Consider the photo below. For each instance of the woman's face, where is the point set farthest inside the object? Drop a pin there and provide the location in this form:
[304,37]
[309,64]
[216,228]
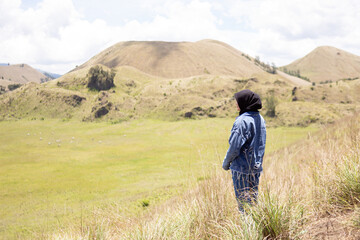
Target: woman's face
[237,105]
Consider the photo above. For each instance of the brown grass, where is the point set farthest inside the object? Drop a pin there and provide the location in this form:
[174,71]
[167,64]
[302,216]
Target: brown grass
[177,59]
[19,73]
[301,186]
[327,63]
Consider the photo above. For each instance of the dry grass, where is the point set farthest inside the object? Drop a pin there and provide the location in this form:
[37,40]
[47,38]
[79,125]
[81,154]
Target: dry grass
[327,63]
[300,184]
[19,73]
[177,59]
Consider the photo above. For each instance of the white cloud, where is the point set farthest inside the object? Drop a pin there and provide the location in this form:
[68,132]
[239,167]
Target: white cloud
[298,19]
[286,30]
[38,36]
[176,21]
[56,36]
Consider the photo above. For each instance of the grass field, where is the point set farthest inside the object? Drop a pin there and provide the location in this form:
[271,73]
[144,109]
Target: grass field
[54,173]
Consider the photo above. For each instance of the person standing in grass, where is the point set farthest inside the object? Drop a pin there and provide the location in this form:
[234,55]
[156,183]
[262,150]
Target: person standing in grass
[247,146]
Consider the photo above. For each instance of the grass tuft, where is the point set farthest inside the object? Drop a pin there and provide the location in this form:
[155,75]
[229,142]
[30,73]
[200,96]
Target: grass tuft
[277,218]
[347,182]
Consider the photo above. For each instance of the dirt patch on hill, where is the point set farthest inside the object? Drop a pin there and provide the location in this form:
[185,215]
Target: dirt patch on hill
[70,99]
[333,228]
[103,106]
[295,80]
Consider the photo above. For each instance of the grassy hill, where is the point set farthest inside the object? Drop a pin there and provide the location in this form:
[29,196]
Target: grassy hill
[58,171]
[177,59]
[20,74]
[309,190]
[327,64]
[139,94]
[72,160]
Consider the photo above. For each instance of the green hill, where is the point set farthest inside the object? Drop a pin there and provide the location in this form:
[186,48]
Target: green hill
[140,94]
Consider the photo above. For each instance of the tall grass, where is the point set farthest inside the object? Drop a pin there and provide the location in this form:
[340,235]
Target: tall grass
[336,169]
[347,182]
[299,183]
[276,218]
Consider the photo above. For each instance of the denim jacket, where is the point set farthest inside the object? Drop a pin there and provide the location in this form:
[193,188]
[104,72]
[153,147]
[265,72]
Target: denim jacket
[247,144]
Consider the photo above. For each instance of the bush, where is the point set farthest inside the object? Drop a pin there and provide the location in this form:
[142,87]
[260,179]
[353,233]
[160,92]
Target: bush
[99,79]
[145,203]
[270,104]
[2,89]
[12,87]
[295,73]
[266,66]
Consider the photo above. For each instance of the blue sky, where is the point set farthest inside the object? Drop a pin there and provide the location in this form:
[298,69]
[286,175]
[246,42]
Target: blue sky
[57,35]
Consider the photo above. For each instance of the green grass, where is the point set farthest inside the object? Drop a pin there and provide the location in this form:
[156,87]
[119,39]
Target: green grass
[347,181]
[91,165]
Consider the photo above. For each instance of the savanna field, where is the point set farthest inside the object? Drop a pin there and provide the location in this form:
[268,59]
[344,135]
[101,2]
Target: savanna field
[55,175]
[309,190]
[130,144]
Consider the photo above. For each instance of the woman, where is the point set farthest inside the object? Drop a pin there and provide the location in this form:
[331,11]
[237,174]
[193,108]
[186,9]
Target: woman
[247,146]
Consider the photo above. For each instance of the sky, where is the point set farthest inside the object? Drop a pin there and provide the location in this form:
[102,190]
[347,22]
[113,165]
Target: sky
[57,35]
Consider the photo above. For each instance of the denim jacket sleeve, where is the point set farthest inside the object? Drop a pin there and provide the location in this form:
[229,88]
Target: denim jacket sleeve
[236,140]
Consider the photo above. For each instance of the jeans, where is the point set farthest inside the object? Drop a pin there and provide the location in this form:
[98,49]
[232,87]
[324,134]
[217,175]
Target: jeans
[246,188]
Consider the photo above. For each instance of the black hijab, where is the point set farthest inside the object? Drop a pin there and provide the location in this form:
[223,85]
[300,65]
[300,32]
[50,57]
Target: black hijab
[248,101]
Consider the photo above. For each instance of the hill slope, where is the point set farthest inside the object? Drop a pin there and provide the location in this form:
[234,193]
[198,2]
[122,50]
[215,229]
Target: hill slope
[177,59]
[20,74]
[309,190]
[138,94]
[327,63]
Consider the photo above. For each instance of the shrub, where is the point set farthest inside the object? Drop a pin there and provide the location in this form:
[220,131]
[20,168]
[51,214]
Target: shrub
[246,56]
[2,89]
[99,79]
[270,104]
[295,73]
[14,86]
[145,203]
[266,66]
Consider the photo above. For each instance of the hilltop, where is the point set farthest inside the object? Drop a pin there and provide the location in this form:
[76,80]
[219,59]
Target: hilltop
[20,74]
[177,59]
[325,64]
